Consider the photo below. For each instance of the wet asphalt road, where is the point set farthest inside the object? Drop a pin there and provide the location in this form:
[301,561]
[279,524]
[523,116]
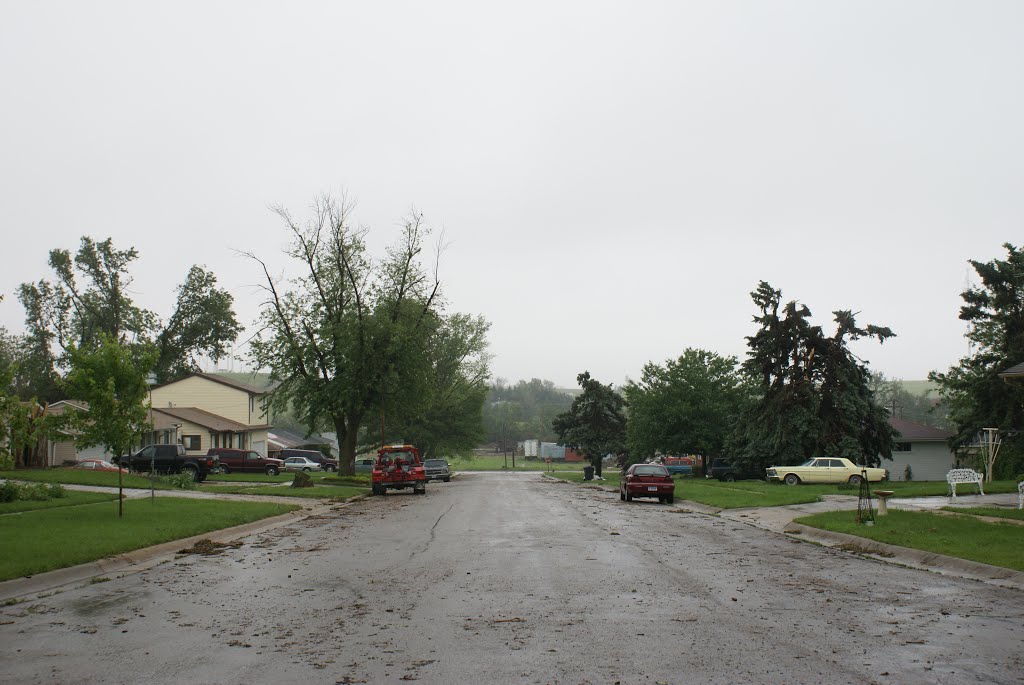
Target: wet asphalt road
[512,578]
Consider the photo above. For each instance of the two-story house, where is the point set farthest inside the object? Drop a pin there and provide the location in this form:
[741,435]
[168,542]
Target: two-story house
[206,410]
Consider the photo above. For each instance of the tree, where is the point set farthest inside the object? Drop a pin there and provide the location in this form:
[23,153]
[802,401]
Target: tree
[111,379]
[924,408]
[814,393]
[976,396]
[595,424]
[451,418]
[350,339]
[687,406]
[536,404]
[203,322]
[89,300]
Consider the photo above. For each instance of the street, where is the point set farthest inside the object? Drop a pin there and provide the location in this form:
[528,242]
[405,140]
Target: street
[515,578]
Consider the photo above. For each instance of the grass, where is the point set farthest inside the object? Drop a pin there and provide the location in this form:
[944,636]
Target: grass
[996,512]
[998,544]
[45,540]
[315,492]
[71,476]
[72,498]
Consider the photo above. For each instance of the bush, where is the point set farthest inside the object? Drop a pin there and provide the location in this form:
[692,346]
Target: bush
[9,491]
[908,473]
[6,462]
[182,481]
[35,492]
[56,491]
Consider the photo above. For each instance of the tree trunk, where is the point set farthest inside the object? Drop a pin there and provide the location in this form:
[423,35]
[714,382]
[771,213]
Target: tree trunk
[347,428]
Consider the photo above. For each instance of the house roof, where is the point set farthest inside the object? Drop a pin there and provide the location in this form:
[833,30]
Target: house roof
[200,417]
[916,432]
[1013,372]
[224,380]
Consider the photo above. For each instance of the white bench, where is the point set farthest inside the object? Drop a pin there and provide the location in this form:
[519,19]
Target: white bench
[1020,495]
[959,476]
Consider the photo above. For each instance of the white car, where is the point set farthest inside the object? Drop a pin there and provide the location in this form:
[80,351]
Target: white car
[301,464]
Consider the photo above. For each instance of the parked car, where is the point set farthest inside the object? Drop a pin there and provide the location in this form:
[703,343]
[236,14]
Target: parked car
[326,463]
[647,480]
[826,470]
[170,459]
[723,470]
[365,465]
[246,461]
[398,467]
[301,464]
[437,469]
[98,465]
[677,466]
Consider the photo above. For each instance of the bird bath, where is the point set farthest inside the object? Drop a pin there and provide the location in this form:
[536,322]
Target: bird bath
[882,496]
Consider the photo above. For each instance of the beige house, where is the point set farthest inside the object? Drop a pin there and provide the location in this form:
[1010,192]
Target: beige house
[205,410]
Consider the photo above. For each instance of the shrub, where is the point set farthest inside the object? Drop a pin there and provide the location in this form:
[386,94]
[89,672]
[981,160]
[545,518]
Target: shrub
[182,481]
[56,491]
[6,462]
[35,492]
[908,473]
[9,491]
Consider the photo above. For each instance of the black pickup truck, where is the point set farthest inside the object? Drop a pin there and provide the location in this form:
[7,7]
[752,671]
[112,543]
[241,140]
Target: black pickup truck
[170,459]
[723,470]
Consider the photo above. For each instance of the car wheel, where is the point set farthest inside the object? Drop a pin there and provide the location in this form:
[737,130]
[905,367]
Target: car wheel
[670,499]
[330,468]
[192,472]
[629,497]
[792,479]
[622,495]
[661,500]
[306,469]
[729,478]
[854,480]
[272,471]
[225,470]
[448,479]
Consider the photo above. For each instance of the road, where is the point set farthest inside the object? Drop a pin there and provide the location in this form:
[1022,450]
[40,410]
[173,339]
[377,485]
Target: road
[514,578]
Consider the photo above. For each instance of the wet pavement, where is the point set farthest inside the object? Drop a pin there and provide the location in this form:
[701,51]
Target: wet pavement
[512,578]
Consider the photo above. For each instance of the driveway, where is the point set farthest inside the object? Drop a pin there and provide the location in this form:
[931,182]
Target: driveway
[513,578]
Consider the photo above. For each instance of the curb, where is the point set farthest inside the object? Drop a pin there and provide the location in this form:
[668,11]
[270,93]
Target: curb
[925,561]
[147,557]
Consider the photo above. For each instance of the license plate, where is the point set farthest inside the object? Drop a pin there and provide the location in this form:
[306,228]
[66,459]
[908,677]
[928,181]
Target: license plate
[652,488]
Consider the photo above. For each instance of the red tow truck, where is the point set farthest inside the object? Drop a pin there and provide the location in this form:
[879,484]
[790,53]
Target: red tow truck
[398,467]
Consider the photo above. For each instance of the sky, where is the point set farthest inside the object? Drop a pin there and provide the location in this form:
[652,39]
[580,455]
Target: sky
[612,179]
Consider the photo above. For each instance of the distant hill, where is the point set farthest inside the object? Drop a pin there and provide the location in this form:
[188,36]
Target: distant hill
[921,388]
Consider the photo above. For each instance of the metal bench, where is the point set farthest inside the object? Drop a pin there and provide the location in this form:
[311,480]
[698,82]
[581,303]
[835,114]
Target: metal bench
[960,476]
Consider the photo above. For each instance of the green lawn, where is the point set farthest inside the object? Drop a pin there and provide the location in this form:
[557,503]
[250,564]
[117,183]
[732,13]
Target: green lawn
[315,492]
[71,476]
[49,539]
[998,544]
[72,498]
[996,512]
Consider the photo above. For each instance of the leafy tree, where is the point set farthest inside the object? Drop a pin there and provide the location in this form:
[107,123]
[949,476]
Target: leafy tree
[976,396]
[351,337]
[595,424]
[524,410]
[924,408]
[687,406]
[814,393]
[203,322]
[111,379]
[451,418]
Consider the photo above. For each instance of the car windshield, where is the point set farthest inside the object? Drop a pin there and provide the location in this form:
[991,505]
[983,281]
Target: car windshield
[809,462]
[435,462]
[406,457]
[650,470]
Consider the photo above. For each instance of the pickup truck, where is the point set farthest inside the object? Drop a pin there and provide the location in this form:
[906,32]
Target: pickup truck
[398,467]
[723,470]
[245,461]
[170,459]
[677,466]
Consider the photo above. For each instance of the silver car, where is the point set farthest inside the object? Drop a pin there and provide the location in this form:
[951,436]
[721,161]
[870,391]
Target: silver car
[301,464]
[437,469]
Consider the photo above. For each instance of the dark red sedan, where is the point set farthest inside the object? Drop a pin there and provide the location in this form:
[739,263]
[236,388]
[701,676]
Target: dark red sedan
[647,480]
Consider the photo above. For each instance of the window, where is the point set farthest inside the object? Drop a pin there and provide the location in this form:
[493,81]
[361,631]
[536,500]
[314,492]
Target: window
[901,447]
[191,442]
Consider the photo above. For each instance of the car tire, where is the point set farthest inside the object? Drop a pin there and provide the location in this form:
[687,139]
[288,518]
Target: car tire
[272,471]
[622,495]
[330,468]
[792,479]
[193,472]
[306,469]
[225,470]
[854,480]
[629,497]
[729,478]
[448,479]
[670,499]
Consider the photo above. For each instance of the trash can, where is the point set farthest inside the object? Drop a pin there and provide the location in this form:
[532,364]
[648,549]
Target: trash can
[588,473]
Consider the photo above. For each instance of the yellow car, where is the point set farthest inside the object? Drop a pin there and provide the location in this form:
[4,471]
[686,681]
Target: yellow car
[826,470]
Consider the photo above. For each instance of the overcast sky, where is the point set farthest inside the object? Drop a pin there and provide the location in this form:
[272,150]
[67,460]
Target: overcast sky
[614,178]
